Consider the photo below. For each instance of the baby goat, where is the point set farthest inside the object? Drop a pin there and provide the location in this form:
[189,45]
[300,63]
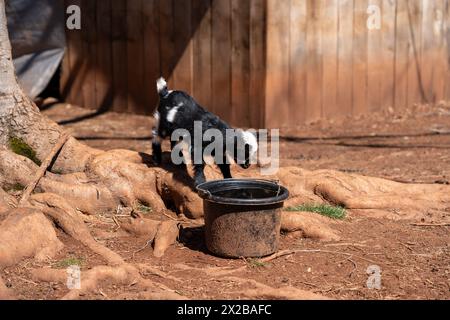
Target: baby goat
[178,110]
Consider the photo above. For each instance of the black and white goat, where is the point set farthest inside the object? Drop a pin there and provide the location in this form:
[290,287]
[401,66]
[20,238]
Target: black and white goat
[178,110]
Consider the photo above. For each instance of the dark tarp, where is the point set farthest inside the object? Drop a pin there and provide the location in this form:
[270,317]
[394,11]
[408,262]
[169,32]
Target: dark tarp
[36,31]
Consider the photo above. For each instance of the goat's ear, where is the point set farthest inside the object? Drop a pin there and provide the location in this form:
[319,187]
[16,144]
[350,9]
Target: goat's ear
[161,87]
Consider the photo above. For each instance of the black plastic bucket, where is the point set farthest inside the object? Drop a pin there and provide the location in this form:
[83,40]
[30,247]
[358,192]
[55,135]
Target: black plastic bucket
[242,217]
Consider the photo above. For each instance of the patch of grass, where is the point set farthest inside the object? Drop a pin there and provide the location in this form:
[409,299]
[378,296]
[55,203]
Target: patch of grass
[335,212]
[143,208]
[20,147]
[71,261]
[256,263]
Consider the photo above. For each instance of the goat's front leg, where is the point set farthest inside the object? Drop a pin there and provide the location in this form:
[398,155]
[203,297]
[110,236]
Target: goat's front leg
[199,175]
[156,141]
[199,167]
[225,169]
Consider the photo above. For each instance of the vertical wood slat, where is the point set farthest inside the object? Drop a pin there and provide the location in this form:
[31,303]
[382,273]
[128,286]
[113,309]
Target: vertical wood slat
[150,11]
[387,54]
[183,66]
[447,48]
[221,58]
[135,55]
[427,45]
[240,62]
[401,55]
[202,52]
[74,66]
[257,63]
[64,85]
[277,73]
[374,64]
[315,70]
[103,83]
[415,89]
[360,34]
[89,38]
[166,39]
[329,45]
[119,55]
[298,62]
[345,59]
[440,51]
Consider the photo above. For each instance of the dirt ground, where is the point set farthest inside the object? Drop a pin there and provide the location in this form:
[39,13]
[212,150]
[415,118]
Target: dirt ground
[411,146]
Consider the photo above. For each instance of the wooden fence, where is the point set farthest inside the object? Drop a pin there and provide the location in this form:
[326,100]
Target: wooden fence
[260,63]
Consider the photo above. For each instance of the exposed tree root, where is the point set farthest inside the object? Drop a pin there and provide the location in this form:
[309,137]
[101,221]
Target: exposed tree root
[267,292]
[43,168]
[310,224]
[123,275]
[72,223]
[141,227]
[26,233]
[6,202]
[166,236]
[367,196]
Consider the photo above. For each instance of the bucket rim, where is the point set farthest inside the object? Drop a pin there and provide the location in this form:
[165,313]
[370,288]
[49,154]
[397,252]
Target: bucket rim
[204,192]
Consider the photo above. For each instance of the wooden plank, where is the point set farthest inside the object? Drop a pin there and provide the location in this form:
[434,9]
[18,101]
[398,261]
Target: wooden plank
[387,55]
[447,49]
[277,81]
[345,59]
[360,44]
[65,65]
[298,62]
[240,62]
[89,36]
[182,26]
[119,55]
[374,64]
[428,45]
[329,38]
[135,56]
[415,90]
[167,40]
[103,63]
[315,67]
[152,69]
[74,66]
[202,53]
[257,63]
[401,55]
[440,53]
[221,58]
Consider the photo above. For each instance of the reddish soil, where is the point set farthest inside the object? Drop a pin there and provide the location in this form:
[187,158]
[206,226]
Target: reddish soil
[414,260]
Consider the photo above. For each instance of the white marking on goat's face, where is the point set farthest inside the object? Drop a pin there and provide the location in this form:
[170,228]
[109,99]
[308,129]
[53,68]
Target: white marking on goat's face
[172,113]
[250,139]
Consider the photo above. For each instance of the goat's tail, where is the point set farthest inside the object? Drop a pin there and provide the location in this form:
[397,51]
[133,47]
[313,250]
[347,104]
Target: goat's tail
[161,86]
